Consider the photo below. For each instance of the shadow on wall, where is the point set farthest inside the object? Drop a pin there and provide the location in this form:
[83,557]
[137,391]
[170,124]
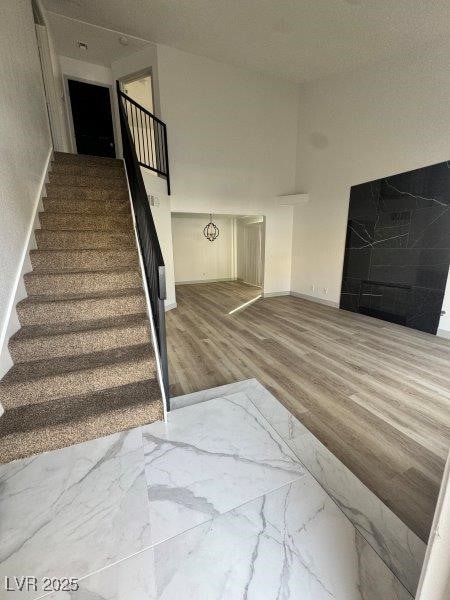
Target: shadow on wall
[397,251]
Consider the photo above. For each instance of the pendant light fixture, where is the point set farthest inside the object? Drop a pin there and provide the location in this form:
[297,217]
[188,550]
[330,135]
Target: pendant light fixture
[211,231]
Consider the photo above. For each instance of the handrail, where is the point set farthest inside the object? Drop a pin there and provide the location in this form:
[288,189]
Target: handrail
[152,258]
[149,136]
[142,108]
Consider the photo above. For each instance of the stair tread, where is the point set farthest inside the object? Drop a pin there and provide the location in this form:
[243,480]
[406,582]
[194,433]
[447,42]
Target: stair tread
[91,231]
[85,200]
[77,214]
[101,184]
[76,419]
[46,260]
[76,250]
[59,166]
[82,158]
[113,229]
[34,371]
[92,296]
[93,211]
[105,271]
[30,332]
[59,251]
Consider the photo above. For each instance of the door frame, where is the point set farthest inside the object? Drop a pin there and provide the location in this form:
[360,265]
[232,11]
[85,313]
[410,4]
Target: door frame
[262,224]
[114,115]
[148,71]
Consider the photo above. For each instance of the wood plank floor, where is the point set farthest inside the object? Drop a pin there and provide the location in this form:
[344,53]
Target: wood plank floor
[376,394]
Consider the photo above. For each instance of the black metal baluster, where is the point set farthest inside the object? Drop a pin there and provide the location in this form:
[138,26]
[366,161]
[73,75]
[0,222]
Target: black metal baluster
[156,146]
[145,117]
[150,131]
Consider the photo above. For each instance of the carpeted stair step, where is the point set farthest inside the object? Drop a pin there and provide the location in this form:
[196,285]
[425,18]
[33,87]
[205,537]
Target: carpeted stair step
[73,260]
[94,207]
[104,181]
[68,158]
[56,190]
[48,239]
[92,170]
[31,429]
[81,282]
[42,380]
[83,337]
[77,222]
[44,310]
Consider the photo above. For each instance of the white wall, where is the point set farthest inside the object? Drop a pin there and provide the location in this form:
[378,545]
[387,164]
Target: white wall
[444,323]
[162,218]
[24,147]
[232,143]
[358,127]
[196,258]
[139,62]
[85,70]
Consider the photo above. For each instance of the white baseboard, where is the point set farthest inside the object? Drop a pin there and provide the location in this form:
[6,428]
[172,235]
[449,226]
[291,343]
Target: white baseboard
[170,306]
[204,281]
[274,294]
[315,299]
[444,333]
[18,293]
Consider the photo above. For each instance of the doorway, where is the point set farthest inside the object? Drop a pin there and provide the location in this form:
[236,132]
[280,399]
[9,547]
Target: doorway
[92,120]
[250,250]
[140,89]
[236,254]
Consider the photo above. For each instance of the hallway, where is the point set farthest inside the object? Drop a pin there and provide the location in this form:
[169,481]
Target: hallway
[376,394]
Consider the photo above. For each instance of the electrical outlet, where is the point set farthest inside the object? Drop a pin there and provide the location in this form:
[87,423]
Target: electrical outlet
[154,200]
[325,291]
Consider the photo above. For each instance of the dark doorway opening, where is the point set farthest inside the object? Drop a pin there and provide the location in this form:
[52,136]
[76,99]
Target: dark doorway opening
[92,118]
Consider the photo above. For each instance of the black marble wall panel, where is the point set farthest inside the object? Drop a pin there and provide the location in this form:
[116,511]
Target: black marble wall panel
[397,250]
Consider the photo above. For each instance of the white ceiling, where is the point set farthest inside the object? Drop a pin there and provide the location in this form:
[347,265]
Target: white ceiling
[294,39]
[103,45]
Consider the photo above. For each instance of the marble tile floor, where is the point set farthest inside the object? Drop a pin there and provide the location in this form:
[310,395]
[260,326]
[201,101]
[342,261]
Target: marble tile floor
[214,504]
[399,547]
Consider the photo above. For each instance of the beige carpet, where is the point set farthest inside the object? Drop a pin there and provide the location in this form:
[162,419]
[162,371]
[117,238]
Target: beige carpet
[84,365]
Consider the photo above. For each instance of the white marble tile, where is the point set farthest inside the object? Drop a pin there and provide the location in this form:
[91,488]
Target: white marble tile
[401,549]
[72,511]
[208,459]
[130,579]
[212,393]
[293,543]
[239,515]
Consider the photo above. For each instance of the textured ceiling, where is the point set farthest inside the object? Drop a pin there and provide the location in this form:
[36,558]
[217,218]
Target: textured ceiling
[294,39]
[103,45]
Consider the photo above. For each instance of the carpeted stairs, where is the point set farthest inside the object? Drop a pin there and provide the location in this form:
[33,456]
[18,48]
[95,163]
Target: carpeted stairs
[84,364]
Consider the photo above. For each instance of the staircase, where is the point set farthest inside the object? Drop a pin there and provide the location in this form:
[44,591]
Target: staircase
[84,364]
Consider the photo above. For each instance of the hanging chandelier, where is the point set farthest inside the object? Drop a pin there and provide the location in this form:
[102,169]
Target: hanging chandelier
[211,231]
